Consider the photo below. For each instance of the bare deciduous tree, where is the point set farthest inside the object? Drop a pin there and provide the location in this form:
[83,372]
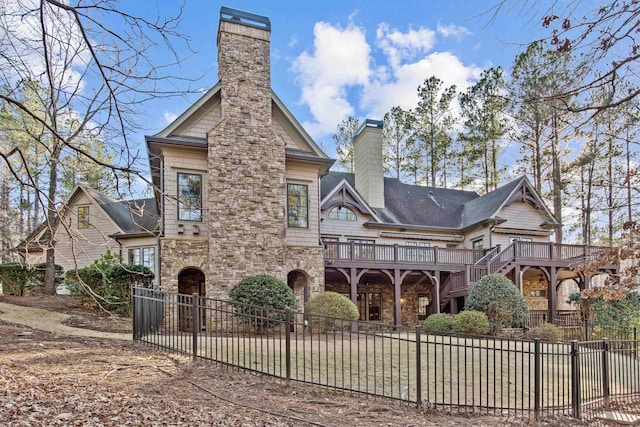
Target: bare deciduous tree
[90,66]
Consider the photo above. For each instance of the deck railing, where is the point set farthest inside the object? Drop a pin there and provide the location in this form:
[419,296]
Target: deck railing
[353,251]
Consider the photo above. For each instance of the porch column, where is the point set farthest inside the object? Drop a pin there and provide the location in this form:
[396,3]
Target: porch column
[517,277]
[553,297]
[353,283]
[436,286]
[453,305]
[586,283]
[396,284]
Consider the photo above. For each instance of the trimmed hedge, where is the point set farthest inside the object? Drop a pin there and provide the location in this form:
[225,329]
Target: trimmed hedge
[261,300]
[331,309]
[109,289]
[17,277]
[471,322]
[545,332]
[439,322]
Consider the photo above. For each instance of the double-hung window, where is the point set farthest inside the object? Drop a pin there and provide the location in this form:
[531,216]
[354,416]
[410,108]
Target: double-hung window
[189,196]
[83,217]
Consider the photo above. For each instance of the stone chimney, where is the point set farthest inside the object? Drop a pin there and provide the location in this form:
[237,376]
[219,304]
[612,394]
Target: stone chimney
[244,66]
[246,176]
[367,162]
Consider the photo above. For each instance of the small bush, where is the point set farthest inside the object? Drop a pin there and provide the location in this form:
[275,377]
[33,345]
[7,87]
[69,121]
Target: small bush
[471,322]
[545,332]
[108,287]
[261,300]
[439,322]
[15,278]
[329,308]
[498,298]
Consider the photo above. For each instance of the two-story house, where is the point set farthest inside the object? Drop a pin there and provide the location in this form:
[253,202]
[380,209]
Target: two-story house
[402,252]
[242,189]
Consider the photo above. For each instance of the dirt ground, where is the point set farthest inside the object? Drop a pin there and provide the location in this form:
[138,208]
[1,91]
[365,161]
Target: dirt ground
[57,380]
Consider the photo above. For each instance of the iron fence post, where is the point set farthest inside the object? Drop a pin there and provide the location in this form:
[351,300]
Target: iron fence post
[287,345]
[635,342]
[605,370]
[586,330]
[576,405]
[196,324]
[418,368]
[134,312]
[537,390]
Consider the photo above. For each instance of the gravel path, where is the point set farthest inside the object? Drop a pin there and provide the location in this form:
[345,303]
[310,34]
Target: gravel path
[50,321]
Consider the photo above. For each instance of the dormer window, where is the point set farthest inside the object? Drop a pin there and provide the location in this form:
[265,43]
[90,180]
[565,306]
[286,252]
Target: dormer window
[342,213]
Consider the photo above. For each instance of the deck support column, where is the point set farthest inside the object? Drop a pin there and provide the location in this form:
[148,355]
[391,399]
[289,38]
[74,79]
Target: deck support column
[517,277]
[553,297]
[353,283]
[398,295]
[436,288]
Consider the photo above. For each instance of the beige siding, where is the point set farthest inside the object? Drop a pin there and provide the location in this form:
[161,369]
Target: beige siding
[198,125]
[307,174]
[522,216]
[80,247]
[183,160]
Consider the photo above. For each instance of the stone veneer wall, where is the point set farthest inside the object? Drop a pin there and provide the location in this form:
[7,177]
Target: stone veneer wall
[309,260]
[246,162]
[178,254]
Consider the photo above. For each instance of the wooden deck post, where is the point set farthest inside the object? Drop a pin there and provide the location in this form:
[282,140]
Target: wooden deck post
[397,296]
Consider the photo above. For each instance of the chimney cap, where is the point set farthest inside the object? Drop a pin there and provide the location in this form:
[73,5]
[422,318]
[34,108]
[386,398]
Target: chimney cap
[368,123]
[245,18]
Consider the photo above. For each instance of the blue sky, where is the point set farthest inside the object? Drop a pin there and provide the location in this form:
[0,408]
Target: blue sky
[332,59]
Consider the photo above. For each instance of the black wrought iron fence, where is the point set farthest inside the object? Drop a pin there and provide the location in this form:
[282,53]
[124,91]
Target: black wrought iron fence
[465,373]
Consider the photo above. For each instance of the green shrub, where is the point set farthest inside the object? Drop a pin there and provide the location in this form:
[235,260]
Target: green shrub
[332,304]
[15,277]
[261,300]
[498,298]
[545,332]
[471,322]
[39,272]
[109,289]
[439,322]
[329,309]
[84,282]
[118,283]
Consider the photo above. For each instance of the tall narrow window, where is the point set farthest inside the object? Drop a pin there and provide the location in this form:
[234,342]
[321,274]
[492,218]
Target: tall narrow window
[297,206]
[189,197]
[83,216]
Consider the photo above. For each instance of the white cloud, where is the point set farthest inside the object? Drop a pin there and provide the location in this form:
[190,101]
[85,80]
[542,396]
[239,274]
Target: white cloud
[340,59]
[382,94]
[169,117]
[399,46]
[339,76]
[454,31]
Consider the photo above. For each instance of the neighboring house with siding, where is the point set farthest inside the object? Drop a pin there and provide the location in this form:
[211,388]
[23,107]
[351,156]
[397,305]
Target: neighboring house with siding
[90,224]
[242,189]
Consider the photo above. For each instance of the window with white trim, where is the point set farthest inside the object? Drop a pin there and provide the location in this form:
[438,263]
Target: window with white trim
[143,256]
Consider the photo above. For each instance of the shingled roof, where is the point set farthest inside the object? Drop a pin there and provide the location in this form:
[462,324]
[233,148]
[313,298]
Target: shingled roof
[133,217]
[417,205]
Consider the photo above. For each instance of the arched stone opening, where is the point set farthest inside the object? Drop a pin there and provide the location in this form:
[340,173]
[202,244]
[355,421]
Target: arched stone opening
[417,297]
[298,281]
[190,281]
[564,290]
